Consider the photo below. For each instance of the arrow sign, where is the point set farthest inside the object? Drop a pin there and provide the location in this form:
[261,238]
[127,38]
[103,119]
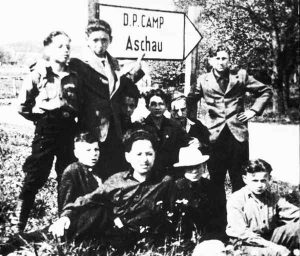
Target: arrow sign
[161,35]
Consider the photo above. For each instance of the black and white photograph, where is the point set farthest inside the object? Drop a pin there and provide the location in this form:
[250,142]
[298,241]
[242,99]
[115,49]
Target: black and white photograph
[162,127]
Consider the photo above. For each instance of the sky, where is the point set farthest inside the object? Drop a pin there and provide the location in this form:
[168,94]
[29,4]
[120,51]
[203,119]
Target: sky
[32,20]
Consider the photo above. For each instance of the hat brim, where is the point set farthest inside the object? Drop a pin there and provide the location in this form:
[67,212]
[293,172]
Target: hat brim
[184,164]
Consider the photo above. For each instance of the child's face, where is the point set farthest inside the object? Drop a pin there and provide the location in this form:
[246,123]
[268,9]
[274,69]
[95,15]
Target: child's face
[220,62]
[257,182]
[128,106]
[194,173]
[98,41]
[59,49]
[141,156]
[157,106]
[87,153]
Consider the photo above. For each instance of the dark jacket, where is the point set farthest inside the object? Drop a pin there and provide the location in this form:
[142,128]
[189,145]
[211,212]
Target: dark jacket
[200,131]
[95,90]
[77,180]
[140,207]
[194,208]
[171,138]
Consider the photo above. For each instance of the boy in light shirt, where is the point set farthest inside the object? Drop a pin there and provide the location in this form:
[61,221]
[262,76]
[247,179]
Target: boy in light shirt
[265,223]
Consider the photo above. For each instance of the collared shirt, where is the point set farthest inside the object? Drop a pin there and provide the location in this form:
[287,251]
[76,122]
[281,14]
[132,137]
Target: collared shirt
[250,218]
[189,123]
[134,203]
[43,90]
[222,79]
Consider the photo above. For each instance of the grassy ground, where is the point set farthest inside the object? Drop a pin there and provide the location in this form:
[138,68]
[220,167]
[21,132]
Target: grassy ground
[15,144]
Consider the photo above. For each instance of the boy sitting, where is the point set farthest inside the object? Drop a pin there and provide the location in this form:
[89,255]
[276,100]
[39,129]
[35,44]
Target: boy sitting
[79,178]
[265,223]
[194,203]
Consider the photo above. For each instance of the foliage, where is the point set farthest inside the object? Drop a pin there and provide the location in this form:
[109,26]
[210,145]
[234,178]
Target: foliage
[167,73]
[263,37]
[5,56]
[14,147]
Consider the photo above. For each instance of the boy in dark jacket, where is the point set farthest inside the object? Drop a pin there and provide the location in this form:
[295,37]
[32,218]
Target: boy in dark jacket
[79,178]
[195,214]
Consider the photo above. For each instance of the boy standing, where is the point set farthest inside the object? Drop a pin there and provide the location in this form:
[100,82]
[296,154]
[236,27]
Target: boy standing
[49,98]
[224,92]
[265,223]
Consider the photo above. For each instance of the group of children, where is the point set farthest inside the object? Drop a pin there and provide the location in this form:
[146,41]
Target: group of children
[120,182]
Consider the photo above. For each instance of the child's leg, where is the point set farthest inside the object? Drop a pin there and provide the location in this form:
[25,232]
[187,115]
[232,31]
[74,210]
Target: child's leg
[37,168]
[287,235]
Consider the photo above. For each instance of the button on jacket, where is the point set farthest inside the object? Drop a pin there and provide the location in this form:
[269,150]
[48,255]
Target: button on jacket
[43,90]
[223,107]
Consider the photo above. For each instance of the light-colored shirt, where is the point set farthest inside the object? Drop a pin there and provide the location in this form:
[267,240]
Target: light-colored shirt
[250,217]
[43,90]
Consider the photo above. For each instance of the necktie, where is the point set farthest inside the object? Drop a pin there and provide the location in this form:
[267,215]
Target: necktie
[110,76]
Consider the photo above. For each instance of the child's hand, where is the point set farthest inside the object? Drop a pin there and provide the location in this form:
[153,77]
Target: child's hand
[246,116]
[58,227]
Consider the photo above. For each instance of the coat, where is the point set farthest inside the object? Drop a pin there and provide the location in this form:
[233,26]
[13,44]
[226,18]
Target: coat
[224,107]
[95,90]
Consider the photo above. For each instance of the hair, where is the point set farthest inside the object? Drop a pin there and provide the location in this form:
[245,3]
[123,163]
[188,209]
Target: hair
[177,96]
[85,137]
[257,165]
[218,48]
[130,88]
[49,39]
[139,133]
[159,93]
[98,25]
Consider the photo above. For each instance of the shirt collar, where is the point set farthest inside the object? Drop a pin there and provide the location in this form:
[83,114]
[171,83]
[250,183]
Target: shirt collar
[223,75]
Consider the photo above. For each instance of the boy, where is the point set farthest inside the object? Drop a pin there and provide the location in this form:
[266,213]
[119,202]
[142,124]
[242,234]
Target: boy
[265,223]
[194,210]
[226,118]
[49,98]
[103,84]
[79,178]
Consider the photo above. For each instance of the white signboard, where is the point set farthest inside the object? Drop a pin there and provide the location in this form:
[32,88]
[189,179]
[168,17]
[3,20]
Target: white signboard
[161,35]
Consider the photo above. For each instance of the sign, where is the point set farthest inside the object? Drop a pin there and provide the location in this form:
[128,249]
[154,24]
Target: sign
[161,35]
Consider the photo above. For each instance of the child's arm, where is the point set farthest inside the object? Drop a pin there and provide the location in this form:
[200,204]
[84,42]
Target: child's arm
[27,96]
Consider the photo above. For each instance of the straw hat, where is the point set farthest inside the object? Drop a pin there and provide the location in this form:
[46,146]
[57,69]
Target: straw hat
[190,156]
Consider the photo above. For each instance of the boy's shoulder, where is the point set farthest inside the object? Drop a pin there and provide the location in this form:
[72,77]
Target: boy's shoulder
[73,168]
[244,195]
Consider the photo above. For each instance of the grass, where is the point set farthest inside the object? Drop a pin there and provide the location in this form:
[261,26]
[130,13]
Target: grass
[15,142]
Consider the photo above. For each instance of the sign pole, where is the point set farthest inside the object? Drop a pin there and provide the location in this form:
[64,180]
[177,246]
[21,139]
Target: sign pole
[192,62]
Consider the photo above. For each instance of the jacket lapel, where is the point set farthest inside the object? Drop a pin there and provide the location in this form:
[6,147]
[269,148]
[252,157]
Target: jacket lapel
[233,80]
[212,82]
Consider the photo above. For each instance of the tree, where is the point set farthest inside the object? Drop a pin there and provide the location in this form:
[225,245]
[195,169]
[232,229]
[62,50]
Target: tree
[263,34]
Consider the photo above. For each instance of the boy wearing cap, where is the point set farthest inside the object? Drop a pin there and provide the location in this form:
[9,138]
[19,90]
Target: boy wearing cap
[265,223]
[195,206]
[50,98]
